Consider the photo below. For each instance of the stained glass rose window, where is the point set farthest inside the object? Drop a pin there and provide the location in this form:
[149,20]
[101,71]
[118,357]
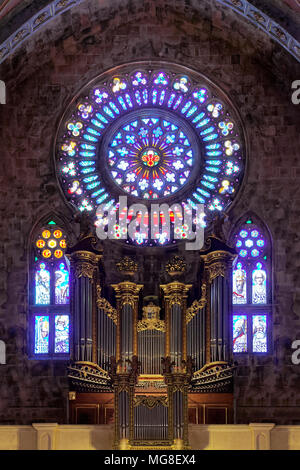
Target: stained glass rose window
[150,131]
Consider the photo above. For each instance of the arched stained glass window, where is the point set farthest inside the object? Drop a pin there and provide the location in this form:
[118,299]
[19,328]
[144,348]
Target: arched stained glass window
[49,294]
[252,288]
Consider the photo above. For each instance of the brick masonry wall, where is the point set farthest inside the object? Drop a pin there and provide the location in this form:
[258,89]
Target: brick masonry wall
[43,76]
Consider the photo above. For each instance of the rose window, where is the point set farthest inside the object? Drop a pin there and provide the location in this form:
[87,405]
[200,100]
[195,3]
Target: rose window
[151,131]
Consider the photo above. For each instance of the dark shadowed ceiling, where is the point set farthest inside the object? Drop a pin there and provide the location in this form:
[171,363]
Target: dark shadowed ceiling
[14,13]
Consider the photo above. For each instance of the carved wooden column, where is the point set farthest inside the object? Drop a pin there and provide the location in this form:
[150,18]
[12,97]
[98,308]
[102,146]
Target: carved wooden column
[218,258]
[84,258]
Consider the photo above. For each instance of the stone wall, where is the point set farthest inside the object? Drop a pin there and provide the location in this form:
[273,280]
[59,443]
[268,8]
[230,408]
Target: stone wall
[43,76]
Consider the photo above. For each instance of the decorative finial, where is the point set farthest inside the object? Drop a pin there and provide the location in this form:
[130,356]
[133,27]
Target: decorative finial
[176,266]
[127,266]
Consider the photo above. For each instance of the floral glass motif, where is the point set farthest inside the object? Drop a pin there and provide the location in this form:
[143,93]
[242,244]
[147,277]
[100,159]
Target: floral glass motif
[143,156]
[240,338]
[150,157]
[51,243]
[41,334]
[250,283]
[62,334]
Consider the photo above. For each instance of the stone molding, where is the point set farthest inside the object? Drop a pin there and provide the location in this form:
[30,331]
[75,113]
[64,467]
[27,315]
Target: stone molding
[242,7]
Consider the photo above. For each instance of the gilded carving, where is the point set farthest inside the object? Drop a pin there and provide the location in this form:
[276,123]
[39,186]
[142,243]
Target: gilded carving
[127,266]
[151,320]
[176,293]
[197,305]
[104,304]
[84,263]
[176,266]
[84,270]
[127,293]
[150,401]
[218,263]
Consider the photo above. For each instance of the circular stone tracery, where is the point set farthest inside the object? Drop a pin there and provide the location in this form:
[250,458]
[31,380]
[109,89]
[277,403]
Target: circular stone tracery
[92,171]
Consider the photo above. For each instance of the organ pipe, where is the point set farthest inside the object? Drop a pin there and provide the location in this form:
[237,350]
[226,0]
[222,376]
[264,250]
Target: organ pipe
[83,268]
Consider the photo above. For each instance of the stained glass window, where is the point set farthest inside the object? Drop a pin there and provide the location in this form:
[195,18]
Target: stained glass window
[50,289]
[42,285]
[239,285]
[151,157]
[239,333]
[259,288]
[150,132]
[251,286]
[62,285]
[41,334]
[62,334]
[259,333]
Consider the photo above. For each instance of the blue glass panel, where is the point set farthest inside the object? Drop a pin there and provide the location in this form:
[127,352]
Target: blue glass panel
[259,333]
[41,335]
[62,285]
[62,334]
[239,333]
[42,285]
[239,285]
[259,281]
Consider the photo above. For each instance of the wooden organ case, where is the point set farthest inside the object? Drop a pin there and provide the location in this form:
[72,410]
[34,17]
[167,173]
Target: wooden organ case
[151,376]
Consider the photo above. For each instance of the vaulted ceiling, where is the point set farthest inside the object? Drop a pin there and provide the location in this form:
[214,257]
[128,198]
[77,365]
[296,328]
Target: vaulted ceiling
[285,13]
[282,11]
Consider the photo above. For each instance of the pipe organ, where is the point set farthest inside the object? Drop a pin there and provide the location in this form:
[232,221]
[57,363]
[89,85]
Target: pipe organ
[154,360]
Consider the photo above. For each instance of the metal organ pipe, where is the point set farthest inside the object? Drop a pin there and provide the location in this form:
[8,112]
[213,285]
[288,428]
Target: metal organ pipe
[77,319]
[225,320]
[196,335]
[219,319]
[176,335]
[106,343]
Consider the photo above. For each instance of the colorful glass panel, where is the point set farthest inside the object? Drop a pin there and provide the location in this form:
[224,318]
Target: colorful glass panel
[240,333]
[239,290]
[250,280]
[62,334]
[259,290]
[259,333]
[50,244]
[120,121]
[62,285]
[42,285]
[149,156]
[41,334]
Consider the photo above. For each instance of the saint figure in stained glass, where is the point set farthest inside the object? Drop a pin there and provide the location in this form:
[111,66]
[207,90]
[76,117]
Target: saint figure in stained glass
[42,285]
[62,334]
[259,285]
[259,333]
[41,339]
[239,286]
[239,333]
[61,285]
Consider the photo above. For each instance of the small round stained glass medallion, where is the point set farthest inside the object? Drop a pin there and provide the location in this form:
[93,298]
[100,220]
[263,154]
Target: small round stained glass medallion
[150,157]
